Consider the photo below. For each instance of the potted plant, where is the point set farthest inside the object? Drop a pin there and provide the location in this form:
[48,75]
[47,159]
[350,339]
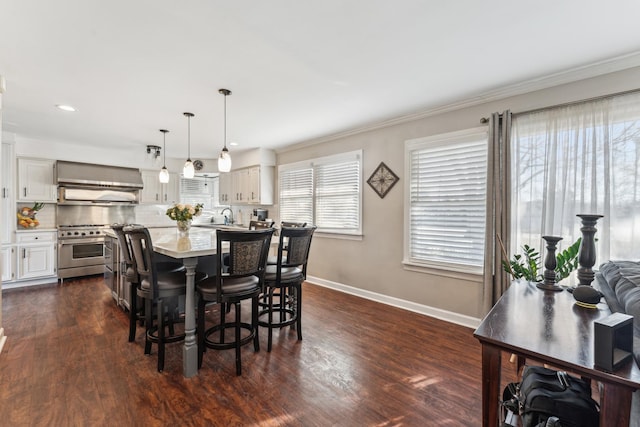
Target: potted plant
[528,264]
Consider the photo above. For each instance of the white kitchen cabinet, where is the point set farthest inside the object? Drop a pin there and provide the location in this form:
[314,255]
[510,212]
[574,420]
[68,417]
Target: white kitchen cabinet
[240,184]
[8,263]
[249,186]
[7,202]
[171,190]
[225,188]
[260,185]
[36,254]
[154,192]
[36,180]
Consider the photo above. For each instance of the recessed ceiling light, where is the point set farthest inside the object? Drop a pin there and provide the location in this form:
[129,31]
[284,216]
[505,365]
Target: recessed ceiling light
[65,107]
[233,144]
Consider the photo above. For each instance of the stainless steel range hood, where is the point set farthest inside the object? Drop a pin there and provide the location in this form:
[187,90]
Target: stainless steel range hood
[85,183]
[90,175]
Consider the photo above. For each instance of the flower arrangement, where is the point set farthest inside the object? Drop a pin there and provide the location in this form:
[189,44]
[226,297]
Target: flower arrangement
[184,212]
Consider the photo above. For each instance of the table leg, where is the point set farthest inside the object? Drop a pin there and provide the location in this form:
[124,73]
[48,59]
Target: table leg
[615,405]
[491,361]
[190,349]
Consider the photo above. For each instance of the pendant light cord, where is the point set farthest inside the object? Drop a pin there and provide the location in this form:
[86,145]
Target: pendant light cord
[164,149]
[225,121]
[188,137]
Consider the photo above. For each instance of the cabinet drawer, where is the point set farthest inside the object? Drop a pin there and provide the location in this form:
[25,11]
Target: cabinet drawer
[35,237]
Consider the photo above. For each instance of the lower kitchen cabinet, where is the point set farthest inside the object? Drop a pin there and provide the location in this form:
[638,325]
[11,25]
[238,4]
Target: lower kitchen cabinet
[8,263]
[36,261]
[35,255]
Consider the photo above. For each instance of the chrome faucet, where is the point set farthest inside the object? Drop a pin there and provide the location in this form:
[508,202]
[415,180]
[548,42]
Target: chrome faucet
[230,220]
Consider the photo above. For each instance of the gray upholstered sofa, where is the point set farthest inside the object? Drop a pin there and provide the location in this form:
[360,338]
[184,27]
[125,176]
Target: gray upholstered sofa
[619,281]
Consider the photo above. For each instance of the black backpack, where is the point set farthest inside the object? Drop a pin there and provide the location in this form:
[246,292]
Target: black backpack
[544,393]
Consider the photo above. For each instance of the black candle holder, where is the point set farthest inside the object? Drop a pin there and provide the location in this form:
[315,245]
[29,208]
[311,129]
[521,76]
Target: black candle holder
[550,264]
[587,251]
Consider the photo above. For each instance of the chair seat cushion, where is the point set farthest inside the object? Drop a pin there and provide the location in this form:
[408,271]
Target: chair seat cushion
[230,287]
[287,274]
[172,281]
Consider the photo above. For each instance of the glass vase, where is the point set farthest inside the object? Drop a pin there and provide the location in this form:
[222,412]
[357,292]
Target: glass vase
[184,226]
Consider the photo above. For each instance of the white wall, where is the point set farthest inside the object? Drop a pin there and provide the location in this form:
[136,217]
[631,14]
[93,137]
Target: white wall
[375,263]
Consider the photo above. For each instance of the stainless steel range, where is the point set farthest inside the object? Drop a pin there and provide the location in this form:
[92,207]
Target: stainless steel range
[80,250]
[90,197]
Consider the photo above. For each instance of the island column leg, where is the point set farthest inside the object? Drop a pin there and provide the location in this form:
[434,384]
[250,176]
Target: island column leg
[190,349]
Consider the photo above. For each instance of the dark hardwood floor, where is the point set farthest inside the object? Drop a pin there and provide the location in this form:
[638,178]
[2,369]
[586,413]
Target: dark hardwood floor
[67,362]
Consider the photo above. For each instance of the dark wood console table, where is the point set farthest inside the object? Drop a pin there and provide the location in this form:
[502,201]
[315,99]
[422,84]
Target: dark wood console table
[548,327]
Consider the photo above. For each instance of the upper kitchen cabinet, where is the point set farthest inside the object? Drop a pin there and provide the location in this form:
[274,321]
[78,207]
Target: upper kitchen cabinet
[260,185]
[225,189]
[36,180]
[248,186]
[154,192]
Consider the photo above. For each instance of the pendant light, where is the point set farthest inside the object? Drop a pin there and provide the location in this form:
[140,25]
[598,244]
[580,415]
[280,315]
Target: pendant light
[224,161]
[164,172]
[188,171]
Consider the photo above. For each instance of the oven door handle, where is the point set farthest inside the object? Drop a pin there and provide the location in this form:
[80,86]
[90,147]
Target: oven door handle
[81,241]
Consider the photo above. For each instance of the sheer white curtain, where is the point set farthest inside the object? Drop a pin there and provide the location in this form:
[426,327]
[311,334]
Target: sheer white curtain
[581,158]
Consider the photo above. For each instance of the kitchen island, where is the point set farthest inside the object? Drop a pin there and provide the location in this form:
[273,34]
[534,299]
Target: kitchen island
[198,242]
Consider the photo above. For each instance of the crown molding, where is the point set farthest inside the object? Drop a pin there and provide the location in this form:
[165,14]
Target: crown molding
[575,74]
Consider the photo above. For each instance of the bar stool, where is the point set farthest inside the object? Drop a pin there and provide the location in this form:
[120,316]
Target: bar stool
[137,314]
[284,282]
[242,279]
[272,260]
[159,290]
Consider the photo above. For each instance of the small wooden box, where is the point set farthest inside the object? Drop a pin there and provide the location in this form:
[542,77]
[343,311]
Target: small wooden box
[613,341]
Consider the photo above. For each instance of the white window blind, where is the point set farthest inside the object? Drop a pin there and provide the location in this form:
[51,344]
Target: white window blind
[325,192]
[447,196]
[296,195]
[199,190]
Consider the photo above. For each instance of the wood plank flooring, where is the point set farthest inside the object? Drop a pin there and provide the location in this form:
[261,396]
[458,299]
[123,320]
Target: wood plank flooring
[67,362]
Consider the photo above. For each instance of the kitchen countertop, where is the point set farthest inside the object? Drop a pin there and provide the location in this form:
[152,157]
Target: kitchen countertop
[36,230]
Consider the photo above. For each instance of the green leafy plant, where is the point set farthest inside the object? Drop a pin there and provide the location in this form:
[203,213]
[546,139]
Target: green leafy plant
[528,265]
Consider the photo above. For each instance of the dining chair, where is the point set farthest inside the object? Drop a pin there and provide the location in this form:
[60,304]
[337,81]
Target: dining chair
[241,280]
[137,313]
[281,303]
[159,290]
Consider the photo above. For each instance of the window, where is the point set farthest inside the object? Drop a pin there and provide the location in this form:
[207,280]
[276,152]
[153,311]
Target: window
[445,179]
[200,189]
[325,192]
[578,159]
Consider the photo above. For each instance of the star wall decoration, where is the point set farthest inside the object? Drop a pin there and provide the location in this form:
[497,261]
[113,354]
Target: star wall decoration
[382,180]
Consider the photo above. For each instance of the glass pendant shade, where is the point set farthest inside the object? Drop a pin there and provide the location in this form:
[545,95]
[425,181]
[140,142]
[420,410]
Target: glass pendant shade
[164,175]
[188,170]
[224,161]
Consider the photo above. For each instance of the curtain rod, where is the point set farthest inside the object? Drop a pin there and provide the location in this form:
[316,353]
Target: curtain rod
[485,120]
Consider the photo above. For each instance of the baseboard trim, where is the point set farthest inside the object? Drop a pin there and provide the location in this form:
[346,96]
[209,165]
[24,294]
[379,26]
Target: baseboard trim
[3,339]
[448,316]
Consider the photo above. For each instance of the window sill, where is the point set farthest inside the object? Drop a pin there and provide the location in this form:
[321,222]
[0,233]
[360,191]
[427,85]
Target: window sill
[341,236]
[471,274]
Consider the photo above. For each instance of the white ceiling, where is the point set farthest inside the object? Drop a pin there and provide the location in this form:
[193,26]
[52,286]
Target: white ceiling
[298,70]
